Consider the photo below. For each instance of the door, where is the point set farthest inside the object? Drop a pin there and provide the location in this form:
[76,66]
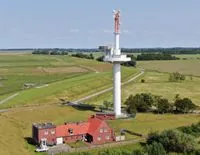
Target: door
[59,140]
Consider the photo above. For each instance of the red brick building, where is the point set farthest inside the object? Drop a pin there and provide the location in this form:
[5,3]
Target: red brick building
[94,131]
[44,130]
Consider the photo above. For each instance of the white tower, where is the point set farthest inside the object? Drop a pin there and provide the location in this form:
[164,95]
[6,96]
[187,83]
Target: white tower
[116,58]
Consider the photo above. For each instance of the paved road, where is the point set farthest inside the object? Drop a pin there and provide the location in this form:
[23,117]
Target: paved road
[108,89]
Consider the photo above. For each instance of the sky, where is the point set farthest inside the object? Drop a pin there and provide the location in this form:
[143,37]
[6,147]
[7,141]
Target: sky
[89,23]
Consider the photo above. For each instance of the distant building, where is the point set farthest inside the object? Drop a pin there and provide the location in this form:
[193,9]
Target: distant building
[95,131]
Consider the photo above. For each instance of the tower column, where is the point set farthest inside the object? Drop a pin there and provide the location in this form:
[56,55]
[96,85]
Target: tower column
[117,88]
[116,41]
[116,58]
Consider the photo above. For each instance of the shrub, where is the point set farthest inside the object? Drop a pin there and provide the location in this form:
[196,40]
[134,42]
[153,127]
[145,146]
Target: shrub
[140,102]
[176,76]
[163,105]
[173,141]
[184,105]
[155,149]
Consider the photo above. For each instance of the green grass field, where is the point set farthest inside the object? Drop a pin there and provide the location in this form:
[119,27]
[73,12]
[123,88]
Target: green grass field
[72,78]
[188,56]
[157,84]
[67,77]
[15,125]
[187,67]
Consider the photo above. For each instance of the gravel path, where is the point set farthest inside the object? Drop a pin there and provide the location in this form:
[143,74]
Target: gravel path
[108,89]
[8,98]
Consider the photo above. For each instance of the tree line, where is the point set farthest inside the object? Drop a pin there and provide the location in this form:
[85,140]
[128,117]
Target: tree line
[50,52]
[61,51]
[175,50]
[82,55]
[146,102]
[156,56]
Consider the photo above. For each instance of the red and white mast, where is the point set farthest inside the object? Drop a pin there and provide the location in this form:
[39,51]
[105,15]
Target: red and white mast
[116,58]
[117,31]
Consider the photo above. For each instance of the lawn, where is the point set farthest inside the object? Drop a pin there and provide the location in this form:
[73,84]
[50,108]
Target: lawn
[15,125]
[187,67]
[157,84]
[147,122]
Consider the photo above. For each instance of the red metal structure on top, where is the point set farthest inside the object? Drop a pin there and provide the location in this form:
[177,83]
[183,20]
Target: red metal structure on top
[117,20]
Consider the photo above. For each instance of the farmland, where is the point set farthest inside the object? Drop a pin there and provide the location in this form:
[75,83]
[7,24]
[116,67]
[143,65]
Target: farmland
[69,78]
[187,67]
[63,76]
[157,83]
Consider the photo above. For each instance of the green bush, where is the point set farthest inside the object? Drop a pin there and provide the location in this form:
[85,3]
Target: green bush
[173,141]
[155,149]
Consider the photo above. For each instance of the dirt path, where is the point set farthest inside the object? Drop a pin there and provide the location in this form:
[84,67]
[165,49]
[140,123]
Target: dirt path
[108,89]
[82,99]
[8,98]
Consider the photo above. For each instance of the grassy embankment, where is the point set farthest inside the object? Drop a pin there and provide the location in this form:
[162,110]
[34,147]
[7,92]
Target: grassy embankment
[67,77]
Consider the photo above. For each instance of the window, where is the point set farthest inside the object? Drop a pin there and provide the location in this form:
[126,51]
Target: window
[70,131]
[52,132]
[105,130]
[101,130]
[107,137]
[98,138]
[46,132]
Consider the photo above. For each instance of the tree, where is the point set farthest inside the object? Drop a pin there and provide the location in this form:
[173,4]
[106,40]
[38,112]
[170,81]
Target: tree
[140,102]
[176,76]
[100,58]
[155,149]
[184,105]
[173,141]
[163,105]
[137,152]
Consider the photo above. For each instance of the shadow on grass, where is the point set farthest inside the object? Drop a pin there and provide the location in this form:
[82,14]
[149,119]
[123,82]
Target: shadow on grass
[30,141]
[85,108]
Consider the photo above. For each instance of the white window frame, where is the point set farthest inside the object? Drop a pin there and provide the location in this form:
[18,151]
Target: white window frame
[46,132]
[101,130]
[107,137]
[99,138]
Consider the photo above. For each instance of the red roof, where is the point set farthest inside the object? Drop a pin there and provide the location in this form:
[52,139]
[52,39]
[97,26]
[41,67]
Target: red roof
[94,123]
[78,128]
